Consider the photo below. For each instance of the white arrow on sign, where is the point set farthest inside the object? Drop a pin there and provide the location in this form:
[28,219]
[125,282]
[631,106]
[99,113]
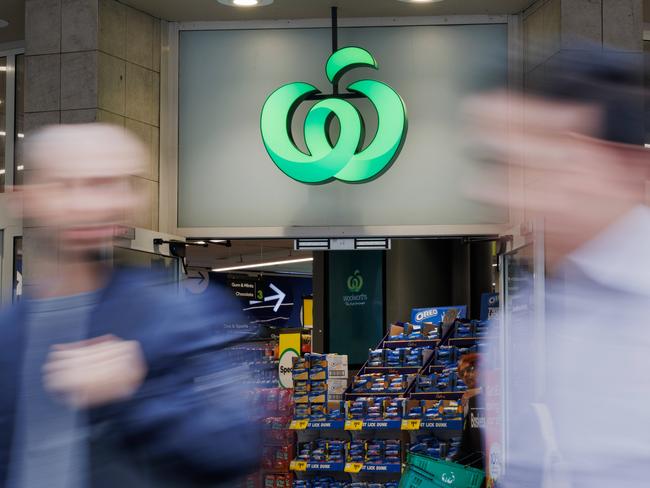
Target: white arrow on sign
[279,297]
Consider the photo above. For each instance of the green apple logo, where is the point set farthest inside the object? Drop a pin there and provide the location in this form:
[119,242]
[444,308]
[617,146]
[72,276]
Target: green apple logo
[344,161]
[355,282]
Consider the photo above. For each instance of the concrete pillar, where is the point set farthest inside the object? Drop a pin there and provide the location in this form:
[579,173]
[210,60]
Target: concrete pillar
[560,28]
[94,61]
[559,31]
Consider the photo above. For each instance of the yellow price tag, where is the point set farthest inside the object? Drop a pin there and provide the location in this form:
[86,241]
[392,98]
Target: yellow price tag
[298,465]
[411,424]
[353,424]
[298,424]
[353,467]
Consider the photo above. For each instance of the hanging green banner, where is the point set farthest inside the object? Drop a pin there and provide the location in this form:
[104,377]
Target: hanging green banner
[355,302]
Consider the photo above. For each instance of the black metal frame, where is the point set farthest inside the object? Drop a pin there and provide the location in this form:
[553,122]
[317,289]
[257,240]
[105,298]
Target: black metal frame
[335,85]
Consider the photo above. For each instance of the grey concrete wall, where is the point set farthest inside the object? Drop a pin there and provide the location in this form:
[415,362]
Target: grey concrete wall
[129,88]
[559,30]
[92,61]
[553,26]
[96,61]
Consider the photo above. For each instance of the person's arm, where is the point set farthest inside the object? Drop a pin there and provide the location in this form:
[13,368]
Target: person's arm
[468,395]
[193,415]
[11,341]
[203,434]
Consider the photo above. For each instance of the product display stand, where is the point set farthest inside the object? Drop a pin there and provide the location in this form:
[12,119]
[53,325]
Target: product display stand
[278,446]
[417,416]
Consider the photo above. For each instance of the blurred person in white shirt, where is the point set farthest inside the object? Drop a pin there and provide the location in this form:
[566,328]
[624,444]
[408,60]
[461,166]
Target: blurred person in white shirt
[580,144]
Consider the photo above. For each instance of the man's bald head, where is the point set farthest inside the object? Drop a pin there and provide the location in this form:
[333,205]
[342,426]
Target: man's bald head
[79,184]
[84,151]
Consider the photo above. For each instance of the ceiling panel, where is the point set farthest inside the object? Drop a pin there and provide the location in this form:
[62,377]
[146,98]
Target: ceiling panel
[248,252]
[13,11]
[194,10]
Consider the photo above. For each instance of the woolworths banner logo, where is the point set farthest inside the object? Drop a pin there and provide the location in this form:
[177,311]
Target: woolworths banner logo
[355,282]
[343,160]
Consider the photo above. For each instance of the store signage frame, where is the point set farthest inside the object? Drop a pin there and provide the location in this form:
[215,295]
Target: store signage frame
[169,164]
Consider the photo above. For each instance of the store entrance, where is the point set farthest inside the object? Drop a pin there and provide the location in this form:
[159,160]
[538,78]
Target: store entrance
[370,348]
[410,274]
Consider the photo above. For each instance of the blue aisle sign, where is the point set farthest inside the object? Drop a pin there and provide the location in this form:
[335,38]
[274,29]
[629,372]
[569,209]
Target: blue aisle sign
[269,300]
[489,305]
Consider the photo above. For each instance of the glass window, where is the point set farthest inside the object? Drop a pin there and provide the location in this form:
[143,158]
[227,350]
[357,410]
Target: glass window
[130,258]
[19,120]
[3,119]
[18,269]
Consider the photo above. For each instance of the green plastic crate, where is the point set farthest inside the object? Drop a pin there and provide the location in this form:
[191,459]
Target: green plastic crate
[414,478]
[426,472]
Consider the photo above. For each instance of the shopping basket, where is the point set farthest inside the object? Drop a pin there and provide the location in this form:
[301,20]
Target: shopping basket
[426,472]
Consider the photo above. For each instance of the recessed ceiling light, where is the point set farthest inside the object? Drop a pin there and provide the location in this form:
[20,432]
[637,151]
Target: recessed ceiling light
[3,23]
[263,265]
[246,3]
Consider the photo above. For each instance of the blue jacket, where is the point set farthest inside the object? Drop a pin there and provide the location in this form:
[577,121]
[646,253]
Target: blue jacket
[172,432]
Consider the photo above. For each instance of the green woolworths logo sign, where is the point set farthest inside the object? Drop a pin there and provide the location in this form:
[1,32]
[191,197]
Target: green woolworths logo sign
[355,282]
[344,160]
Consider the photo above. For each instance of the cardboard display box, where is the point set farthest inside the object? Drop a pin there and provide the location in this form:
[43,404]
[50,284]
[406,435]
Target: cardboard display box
[337,366]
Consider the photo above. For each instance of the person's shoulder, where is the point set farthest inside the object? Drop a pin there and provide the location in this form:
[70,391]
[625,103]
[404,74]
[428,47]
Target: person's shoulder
[135,276]
[148,286]
[141,285]
[11,324]
[11,314]
[169,309]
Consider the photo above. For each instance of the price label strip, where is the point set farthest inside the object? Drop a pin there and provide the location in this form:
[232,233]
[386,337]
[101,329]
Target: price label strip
[353,467]
[411,424]
[353,424]
[298,465]
[299,424]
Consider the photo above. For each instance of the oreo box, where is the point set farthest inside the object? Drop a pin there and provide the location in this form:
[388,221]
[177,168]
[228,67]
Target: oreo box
[436,315]
[318,397]
[318,373]
[301,398]
[317,360]
[300,375]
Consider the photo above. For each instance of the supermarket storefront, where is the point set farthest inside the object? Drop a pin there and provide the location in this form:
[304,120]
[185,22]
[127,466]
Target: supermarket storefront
[285,130]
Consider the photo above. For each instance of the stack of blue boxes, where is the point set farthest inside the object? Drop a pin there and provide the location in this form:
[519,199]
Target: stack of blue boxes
[435,448]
